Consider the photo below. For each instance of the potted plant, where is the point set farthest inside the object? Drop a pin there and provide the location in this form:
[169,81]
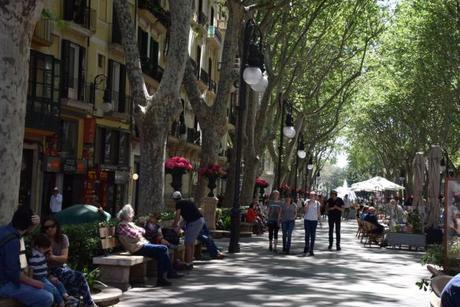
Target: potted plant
[261,184]
[411,235]
[177,166]
[212,172]
[102,294]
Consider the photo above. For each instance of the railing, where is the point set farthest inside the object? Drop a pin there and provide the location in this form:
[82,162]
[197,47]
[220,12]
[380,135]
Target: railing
[81,15]
[195,67]
[204,76]
[44,31]
[193,136]
[202,18]
[154,7]
[213,32]
[212,86]
[152,69]
[76,89]
[42,114]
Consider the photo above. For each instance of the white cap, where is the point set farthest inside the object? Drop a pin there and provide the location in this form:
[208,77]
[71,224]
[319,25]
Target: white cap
[176,195]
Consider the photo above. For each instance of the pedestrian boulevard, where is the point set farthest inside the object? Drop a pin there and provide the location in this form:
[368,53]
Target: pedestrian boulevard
[355,276]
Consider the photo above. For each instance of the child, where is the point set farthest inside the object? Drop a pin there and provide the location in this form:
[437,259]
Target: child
[39,267]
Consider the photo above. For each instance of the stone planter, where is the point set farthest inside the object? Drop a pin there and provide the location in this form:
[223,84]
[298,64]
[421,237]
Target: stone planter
[106,296]
[414,240]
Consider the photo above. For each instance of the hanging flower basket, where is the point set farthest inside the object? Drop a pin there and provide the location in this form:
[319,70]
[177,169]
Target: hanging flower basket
[177,166]
[261,183]
[212,172]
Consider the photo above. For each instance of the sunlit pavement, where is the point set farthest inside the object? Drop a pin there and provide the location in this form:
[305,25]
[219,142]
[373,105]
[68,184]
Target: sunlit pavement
[355,276]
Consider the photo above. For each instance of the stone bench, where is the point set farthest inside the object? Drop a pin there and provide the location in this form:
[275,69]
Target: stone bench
[246,229]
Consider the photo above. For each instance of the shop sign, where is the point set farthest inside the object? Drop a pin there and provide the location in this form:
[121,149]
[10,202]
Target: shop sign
[82,166]
[69,166]
[121,177]
[89,131]
[53,164]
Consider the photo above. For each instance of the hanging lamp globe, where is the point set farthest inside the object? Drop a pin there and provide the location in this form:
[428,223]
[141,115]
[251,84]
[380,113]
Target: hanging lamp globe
[252,75]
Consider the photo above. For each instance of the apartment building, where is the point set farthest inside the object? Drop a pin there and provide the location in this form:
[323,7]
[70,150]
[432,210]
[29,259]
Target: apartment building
[80,135]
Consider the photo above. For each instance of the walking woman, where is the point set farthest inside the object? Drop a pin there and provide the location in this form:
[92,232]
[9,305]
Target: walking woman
[288,214]
[311,217]
[273,220]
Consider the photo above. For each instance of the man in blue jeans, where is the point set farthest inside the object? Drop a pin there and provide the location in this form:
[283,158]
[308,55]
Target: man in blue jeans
[205,238]
[15,284]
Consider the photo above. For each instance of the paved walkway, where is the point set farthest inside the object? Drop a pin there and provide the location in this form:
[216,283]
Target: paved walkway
[355,276]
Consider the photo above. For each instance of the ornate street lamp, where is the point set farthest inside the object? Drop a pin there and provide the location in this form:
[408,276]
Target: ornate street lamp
[301,154]
[251,73]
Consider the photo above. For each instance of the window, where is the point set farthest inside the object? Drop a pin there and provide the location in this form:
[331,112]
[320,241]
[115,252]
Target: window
[113,147]
[73,64]
[69,138]
[198,58]
[117,84]
[101,61]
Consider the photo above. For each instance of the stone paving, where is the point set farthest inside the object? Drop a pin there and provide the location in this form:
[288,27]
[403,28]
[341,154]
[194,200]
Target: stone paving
[355,276]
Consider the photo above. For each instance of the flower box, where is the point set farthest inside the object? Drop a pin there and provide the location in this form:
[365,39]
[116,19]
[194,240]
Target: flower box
[415,240]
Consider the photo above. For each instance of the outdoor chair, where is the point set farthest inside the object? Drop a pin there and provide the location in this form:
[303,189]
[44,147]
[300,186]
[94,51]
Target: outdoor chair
[372,235]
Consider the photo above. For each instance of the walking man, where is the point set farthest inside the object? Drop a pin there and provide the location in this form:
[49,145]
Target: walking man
[56,201]
[347,206]
[335,207]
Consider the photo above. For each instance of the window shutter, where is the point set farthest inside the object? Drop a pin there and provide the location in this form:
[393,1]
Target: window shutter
[65,68]
[81,74]
[122,98]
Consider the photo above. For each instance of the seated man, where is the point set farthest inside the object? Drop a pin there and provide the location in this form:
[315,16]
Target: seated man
[14,283]
[205,238]
[372,218]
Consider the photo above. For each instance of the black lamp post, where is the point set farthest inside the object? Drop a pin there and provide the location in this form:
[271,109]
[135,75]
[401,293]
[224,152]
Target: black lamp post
[301,154]
[251,73]
[97,82]
[402,177]
[286,130]
[307,173]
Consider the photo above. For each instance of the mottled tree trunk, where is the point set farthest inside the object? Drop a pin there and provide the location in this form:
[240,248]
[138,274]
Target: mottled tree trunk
[155,113]
[213,119]
[230,186]
[17,24]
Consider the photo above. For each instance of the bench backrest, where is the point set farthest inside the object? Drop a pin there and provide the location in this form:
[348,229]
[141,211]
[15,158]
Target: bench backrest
[108,239]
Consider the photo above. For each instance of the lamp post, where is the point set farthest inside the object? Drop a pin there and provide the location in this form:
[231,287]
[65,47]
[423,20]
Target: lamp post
[402,177]
[301,154]
[251,73]
[307,174]
[286,130]
[107,98]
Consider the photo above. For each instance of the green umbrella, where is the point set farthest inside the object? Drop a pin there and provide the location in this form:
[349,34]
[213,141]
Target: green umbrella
[82,214]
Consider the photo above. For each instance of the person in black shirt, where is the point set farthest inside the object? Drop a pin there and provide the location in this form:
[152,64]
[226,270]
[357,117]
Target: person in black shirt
[335,208]
[194,222]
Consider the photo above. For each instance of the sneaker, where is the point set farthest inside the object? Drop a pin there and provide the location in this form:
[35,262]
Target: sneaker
[220,256]
[188,267]
[163,283]
[338,248]
[329,247]
[270,248]
[311,254]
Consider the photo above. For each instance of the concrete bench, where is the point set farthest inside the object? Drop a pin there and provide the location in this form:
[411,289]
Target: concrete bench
[121,269]
[246,229]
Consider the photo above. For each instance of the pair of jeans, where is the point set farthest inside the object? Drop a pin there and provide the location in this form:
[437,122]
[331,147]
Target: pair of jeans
[310,235]
[27,295]
[287,227]
[74,282]
[204,238]
[57,290]
[334,221]
[273,229]
[160,254]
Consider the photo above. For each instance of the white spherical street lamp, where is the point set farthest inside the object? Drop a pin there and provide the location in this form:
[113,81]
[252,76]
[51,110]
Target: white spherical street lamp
[289,132]
[252,75]
[301,154]
[261,85]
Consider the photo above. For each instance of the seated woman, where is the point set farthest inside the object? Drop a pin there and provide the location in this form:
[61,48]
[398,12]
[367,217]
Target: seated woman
[372,218]
[73,281]
[133,240]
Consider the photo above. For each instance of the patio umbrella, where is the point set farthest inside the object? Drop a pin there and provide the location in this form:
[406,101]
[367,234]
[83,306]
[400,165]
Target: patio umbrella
[376,184]
[345,190]
[81,214]
[434,162]
[418,166]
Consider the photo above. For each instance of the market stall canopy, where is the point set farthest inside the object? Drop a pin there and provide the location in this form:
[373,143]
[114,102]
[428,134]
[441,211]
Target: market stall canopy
[376,184]
[81,214]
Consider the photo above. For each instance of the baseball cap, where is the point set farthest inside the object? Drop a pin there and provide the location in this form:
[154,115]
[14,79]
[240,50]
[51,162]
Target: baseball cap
[176,195]
[56,189]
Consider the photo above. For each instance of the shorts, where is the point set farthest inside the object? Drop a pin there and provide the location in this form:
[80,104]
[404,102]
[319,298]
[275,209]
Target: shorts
[192,230]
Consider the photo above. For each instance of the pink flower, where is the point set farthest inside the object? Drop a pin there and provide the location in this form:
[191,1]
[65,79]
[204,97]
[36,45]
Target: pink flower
[178,163]
[261,183]
[210,170]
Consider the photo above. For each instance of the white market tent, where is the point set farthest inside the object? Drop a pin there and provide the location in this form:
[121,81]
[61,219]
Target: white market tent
[344,190]
[376,184]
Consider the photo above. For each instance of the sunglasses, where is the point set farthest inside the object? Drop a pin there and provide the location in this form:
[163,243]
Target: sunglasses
[49,226]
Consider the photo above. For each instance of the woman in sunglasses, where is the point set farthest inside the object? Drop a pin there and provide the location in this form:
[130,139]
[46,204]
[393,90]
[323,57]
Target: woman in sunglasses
[74,281]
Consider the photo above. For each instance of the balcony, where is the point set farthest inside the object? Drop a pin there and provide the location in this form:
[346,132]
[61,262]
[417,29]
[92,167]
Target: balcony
[195,67]
[42,114]
[156,10]
[81,15]
[152,69]
[214,36]
[43,34]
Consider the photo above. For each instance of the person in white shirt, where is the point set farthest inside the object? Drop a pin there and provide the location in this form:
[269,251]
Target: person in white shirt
[311,217]
[346,207]
[56,201]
